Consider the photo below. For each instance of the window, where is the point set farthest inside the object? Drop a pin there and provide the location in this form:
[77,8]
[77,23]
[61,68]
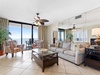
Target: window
[61,34]
[26,33]
[23,33]
[80,36]
[35,33]
[15,30]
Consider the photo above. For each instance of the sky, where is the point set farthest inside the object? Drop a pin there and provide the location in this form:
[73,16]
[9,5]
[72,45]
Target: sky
[16,32]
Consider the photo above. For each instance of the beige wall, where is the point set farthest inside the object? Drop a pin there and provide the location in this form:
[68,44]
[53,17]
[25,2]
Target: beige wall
[88,21]
[50,30]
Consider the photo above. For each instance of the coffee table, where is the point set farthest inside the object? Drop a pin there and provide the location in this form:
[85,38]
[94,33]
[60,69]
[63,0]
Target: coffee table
[44,59]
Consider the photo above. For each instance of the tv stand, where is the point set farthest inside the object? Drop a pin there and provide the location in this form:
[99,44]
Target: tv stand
[92,57]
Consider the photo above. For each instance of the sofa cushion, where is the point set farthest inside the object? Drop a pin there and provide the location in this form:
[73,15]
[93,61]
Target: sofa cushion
[61,44]
[66,45]
[69,52]
[60,49]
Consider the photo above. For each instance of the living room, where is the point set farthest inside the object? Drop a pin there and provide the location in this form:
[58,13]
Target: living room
[72,20]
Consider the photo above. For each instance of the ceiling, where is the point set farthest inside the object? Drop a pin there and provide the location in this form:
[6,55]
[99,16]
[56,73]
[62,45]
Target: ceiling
[53,10]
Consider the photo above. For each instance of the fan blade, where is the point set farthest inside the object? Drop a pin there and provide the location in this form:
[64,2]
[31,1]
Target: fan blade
[44,20]
[69,28]
[42,23]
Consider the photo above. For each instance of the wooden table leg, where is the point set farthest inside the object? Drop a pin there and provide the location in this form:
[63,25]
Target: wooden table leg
[43,69]
[12,55]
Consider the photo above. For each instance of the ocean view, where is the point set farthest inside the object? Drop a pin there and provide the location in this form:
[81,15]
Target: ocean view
[23,40]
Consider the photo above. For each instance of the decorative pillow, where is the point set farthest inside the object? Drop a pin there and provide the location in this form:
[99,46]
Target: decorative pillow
[74,47]
[57,44]
[61,44]
[66,45]
[83,45]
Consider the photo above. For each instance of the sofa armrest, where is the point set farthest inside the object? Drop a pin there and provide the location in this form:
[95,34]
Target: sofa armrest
[80,51]
[79,56]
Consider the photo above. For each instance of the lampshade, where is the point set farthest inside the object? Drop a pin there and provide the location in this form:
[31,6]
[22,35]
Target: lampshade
[96,31]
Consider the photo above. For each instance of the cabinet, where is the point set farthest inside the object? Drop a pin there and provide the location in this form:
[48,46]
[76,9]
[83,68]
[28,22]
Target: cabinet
[92,57]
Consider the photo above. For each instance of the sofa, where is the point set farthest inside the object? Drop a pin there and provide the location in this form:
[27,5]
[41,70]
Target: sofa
[70,51]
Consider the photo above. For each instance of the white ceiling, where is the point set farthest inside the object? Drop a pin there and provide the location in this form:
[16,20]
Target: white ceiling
[53,10]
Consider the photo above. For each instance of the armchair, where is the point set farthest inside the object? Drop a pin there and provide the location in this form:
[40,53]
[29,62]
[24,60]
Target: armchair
[12,47]
[38,44]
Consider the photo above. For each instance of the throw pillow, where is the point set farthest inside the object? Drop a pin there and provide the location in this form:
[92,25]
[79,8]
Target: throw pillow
[66,45]
[60,44]
[74,47]
[57,44]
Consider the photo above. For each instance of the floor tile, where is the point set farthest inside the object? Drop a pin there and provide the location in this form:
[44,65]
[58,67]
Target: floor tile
[43,73]
[29,72]
[15,71]
[33,65]
[4,70]
[72,70]
[59,68]
[58,73]
[23,65]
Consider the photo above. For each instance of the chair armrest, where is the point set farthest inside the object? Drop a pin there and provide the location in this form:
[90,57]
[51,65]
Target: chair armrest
[22,45]
[52,45]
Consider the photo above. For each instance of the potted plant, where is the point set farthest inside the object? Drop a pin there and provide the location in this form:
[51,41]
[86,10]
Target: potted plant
[69,36]
[3,35]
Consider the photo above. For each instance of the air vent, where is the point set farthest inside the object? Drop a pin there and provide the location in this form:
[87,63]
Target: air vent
[77,17]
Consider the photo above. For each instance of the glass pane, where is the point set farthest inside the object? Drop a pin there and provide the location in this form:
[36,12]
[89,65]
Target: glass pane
[15,30]
[62,36]
[26,34]
[35,33]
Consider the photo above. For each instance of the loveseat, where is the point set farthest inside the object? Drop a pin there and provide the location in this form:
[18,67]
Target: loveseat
[70,51]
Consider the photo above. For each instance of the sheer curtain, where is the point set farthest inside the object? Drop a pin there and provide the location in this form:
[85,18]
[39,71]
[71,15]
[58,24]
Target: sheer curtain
[42,34]
[4,23]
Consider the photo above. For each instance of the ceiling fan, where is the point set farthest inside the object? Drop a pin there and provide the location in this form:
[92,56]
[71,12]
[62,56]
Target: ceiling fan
[39,21]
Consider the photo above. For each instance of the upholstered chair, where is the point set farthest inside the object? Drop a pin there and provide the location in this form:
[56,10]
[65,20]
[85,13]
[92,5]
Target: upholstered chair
[13,47]
[38,44]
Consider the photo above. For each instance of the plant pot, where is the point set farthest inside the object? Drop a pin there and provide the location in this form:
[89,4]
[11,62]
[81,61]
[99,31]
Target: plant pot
[1,52]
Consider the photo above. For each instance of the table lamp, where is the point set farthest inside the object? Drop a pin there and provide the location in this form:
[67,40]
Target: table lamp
[96,31]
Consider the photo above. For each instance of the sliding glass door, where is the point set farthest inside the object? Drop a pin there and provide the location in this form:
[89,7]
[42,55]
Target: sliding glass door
[23,33]
[27,37]
[35,33]
[15,30]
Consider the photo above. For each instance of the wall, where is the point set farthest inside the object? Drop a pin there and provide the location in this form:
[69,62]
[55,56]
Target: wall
[50,30]
[88,20]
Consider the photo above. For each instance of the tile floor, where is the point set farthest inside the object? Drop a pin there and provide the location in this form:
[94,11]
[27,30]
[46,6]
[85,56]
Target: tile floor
[23,65]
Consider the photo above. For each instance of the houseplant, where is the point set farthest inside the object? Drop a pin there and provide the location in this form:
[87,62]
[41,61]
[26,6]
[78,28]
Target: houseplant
[69,36]
[3,35]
